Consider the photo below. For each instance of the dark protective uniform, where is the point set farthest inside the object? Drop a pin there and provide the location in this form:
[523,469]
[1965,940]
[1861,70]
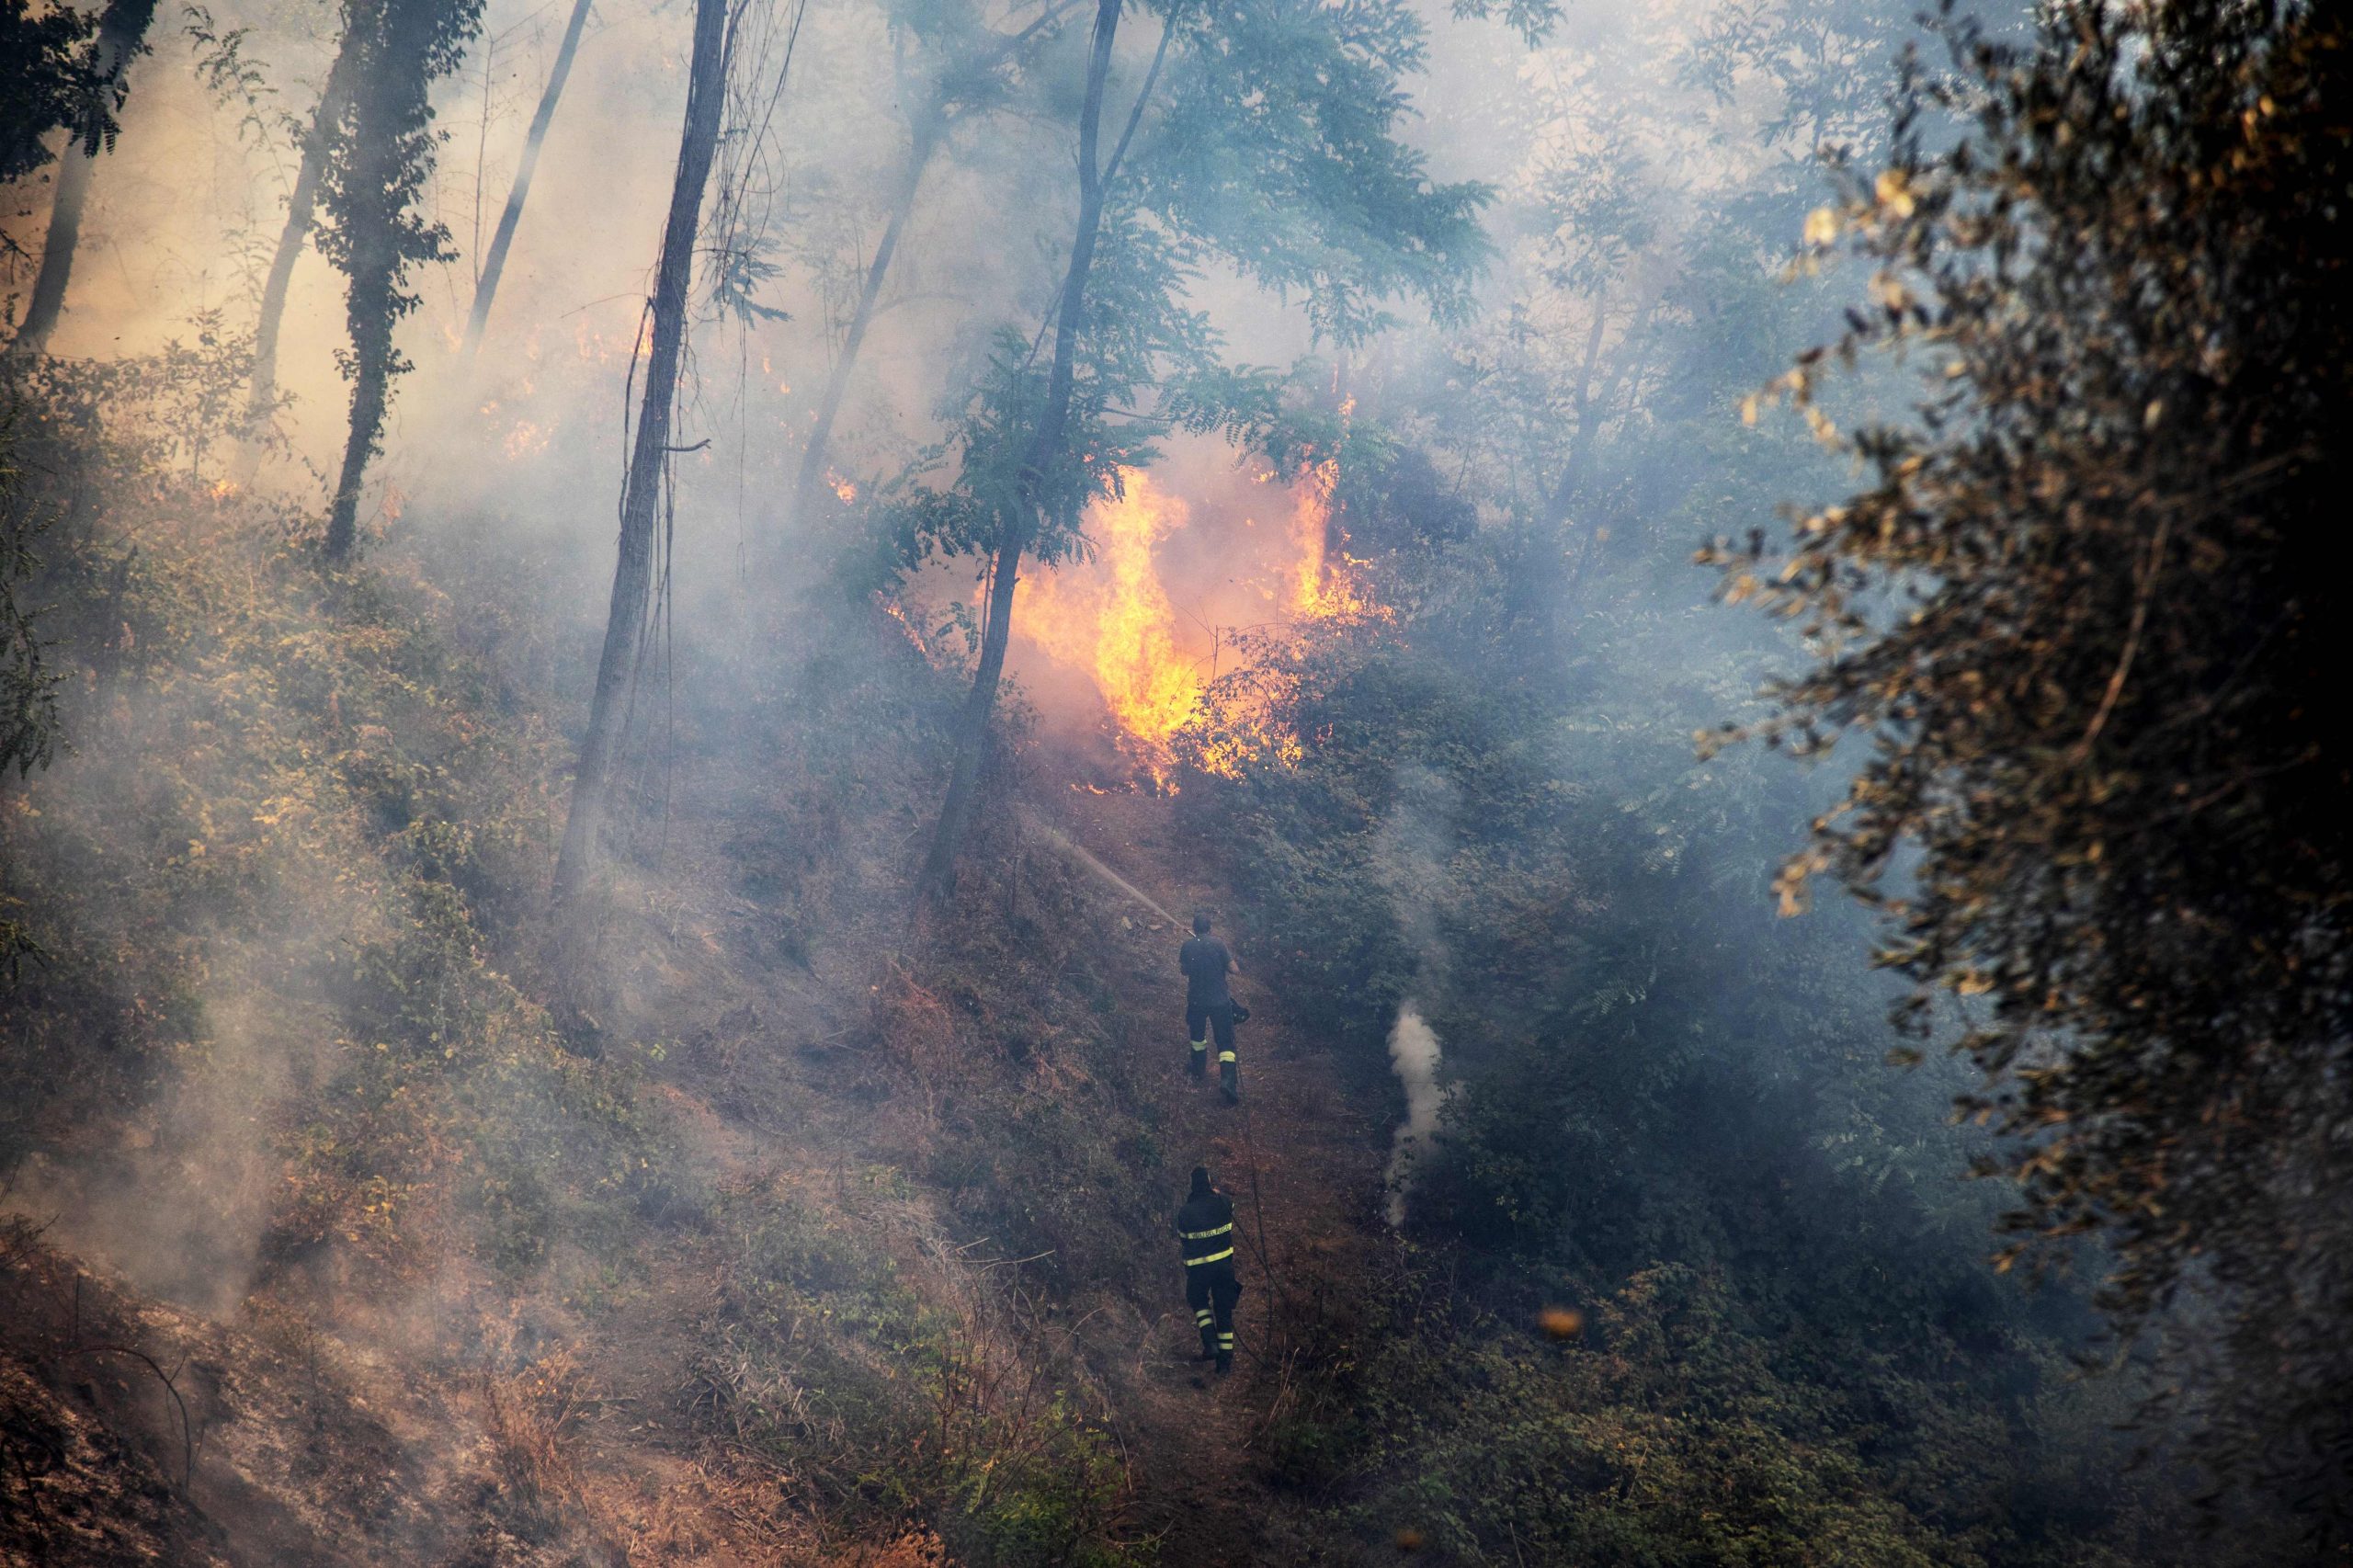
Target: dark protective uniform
[1205,1231]
[1209,1006]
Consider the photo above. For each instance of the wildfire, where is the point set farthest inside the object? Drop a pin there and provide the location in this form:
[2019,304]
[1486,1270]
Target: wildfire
[601,349]
[526,439]
[1322,588]
[914,636]
[1119,624]
[1113,618]
[845,488]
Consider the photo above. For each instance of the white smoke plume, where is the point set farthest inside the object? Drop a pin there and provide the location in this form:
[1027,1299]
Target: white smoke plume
[1413,1053]
[1412,863]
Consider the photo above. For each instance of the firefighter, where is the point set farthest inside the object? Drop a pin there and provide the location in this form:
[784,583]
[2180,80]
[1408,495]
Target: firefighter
[1205,1235]
[1209,1006]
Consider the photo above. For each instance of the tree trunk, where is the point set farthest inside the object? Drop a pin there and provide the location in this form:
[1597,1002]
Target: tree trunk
[122,31]
[1045,450]
[494,262]
[373,260]
[371,385]
[1589,419]
[302,205]
[641,490]
[927,132]
[812,455]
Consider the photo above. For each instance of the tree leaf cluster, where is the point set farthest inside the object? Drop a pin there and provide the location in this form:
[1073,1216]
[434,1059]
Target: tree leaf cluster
[1271,146]
[47,82]
[2083,616]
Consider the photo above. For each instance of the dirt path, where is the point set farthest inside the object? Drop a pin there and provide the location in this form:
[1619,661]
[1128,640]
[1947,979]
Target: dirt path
[1303,1165]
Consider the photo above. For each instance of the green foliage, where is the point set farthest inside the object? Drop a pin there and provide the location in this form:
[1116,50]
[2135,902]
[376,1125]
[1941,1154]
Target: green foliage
[822,1363]
[1270,146]
[988,448]
[1666,1433]
[264,872]
[381,156]
[1534,19]
[29,717]
[2076,614]
[47,84]
[165,413]
[63,70]
[1278,151]
[1651,1081]
[236,79]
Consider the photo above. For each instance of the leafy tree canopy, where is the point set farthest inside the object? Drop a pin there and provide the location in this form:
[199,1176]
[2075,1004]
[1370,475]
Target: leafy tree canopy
[47,81]
[1267,141]
[2084,617]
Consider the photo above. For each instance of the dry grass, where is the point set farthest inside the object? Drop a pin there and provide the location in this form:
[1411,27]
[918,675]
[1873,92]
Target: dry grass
[529,1416]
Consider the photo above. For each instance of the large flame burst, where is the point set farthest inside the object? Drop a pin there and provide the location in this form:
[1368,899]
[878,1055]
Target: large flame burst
[1114,620]
[1118,623]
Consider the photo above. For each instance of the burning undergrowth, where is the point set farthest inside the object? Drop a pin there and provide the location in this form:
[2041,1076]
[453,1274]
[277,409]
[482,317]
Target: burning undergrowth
[1140,654]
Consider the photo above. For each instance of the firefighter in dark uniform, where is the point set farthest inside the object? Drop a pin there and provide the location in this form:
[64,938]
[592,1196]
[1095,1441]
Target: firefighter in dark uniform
[1209,1005]
[1205,1232]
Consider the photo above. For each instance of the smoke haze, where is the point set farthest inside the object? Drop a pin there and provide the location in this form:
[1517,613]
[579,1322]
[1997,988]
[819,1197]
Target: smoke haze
[1407,699]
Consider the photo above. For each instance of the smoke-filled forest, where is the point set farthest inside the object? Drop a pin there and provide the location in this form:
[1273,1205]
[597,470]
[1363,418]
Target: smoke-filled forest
[1100,783]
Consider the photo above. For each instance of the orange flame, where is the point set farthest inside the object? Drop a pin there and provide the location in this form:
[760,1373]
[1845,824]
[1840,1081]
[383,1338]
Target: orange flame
[1323,589]
[1113,618]
[1123,630]
[526,439]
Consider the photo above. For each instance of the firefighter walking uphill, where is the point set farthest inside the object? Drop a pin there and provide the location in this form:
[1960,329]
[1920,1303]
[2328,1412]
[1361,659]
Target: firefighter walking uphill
[1209,1006]
[1205,1233]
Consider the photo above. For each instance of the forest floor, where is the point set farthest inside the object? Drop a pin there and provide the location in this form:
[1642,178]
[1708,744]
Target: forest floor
[466,1424]
[772,1101]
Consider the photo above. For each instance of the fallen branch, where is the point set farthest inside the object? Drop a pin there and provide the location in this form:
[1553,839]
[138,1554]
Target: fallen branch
[187,1432]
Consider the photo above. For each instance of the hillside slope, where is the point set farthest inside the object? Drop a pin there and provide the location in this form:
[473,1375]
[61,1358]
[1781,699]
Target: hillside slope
[849,1234]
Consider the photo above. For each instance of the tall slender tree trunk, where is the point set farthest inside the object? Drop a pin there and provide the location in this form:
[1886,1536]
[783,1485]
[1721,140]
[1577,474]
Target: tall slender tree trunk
[1045,451]
[1588,416]
[389,84]
[122,30]
[302,206]
[494,261]
[927,132]
[371,393]
[640,489]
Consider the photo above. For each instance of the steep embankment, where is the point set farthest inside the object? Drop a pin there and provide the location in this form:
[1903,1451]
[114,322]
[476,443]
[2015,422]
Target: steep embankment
[850,1245]
[996,1106]
[972,1132]
[1304,1163]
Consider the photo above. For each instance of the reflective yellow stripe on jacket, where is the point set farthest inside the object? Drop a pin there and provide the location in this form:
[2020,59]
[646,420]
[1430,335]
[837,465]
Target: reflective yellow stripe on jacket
[1209,1235]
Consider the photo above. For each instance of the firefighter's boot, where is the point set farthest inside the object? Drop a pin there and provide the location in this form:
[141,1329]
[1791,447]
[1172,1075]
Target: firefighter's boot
[1199,1067]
